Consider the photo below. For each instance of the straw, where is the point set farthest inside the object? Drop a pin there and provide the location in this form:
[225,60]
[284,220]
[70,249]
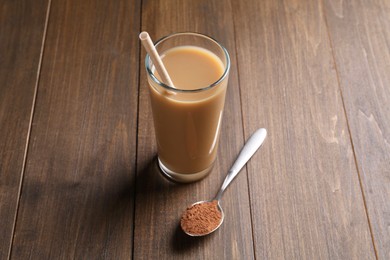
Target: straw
[158,64]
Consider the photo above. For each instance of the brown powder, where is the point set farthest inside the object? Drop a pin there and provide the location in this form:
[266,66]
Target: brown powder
[200,219]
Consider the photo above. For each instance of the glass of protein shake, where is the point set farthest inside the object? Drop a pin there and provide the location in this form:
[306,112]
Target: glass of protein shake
[187,116]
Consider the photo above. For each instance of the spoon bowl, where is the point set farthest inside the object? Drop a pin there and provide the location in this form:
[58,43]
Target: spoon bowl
[219,208]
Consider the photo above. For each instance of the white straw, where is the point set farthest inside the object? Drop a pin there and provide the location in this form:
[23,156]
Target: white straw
[158,64]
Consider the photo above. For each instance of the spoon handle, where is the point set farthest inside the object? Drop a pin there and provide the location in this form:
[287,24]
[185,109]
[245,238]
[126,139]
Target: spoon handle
[254,142]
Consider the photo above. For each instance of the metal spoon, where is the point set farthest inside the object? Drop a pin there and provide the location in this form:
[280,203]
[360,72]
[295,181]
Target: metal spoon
[249,149]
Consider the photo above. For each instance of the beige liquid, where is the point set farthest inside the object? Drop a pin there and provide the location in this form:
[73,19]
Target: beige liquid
[187,124]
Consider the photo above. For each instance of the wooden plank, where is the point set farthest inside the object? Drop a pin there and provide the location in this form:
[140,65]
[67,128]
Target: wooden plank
[159,203]
[304,187]
[77,195]
[360,34]
[22,25]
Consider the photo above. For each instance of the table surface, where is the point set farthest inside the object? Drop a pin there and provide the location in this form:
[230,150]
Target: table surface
[77,149]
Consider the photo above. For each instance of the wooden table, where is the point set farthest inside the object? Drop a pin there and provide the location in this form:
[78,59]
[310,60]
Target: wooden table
[78,177]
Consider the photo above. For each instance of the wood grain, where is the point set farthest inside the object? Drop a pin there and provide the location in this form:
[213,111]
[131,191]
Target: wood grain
[360,37]
[159,203]
[77,195]
[22,25]
[304,186]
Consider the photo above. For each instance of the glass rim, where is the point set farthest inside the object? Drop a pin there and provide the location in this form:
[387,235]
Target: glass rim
[224,75]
